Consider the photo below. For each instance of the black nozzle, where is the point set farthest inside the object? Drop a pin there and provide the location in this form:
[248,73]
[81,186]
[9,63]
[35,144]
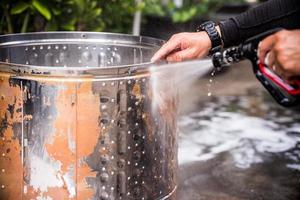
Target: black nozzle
[217,60]
[225,58]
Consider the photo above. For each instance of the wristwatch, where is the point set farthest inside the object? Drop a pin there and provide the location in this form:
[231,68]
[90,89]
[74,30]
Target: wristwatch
[210,28]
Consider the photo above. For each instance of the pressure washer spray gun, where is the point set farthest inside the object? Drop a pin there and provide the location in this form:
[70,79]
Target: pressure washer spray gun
[285,93]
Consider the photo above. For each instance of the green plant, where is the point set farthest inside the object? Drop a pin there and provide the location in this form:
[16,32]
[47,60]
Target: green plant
[190,8]
[52,15]
[118,14]
[93,15]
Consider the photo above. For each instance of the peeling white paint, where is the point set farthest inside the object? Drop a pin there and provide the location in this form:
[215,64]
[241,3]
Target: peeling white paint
[44,173]
[68,178]
[44,198]
[25,189]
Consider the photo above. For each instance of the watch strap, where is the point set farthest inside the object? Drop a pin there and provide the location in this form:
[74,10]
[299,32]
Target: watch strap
[210,28]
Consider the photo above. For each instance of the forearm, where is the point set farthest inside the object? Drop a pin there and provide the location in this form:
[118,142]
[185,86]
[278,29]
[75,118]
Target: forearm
[271,14]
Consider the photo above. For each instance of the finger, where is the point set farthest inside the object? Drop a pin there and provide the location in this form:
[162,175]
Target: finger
[168,47]
[273,59]
[277,68]
[265,46]
[183,55]
[270,59]
[281,72]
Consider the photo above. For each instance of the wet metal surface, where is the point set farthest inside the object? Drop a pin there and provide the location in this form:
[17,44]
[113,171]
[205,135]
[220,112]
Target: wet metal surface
[79,135]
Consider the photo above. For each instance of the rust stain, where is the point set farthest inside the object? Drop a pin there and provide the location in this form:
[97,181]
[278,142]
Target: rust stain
[64,129]
[11,171]
[137,92]
[52,193]
[88,133]
[63,147]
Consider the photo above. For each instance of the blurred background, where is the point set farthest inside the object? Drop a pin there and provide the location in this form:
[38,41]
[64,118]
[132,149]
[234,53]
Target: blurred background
[158,18]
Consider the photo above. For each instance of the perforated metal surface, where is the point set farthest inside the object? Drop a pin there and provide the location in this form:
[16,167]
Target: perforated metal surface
[88,129]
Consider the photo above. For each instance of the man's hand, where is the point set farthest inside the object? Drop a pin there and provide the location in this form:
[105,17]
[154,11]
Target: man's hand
[281,52]
[184,46]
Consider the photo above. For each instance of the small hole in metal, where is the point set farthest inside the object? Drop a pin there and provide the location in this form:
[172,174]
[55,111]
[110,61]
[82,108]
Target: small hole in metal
[104,99]
[104,121]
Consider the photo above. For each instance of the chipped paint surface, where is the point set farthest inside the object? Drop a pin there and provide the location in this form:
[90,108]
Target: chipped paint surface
[88,131]
[90,139]
[11,170]
[50,171]
[79,132]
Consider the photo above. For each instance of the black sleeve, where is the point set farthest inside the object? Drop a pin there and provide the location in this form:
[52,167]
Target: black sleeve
[268,15]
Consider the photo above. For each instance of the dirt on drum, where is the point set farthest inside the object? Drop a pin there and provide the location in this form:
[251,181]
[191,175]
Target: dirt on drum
[78,119]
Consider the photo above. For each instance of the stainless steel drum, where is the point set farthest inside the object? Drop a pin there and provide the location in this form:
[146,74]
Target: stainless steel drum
[78,119]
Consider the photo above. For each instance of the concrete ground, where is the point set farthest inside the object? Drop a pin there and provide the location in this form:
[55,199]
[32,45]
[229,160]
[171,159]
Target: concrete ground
[219,178]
